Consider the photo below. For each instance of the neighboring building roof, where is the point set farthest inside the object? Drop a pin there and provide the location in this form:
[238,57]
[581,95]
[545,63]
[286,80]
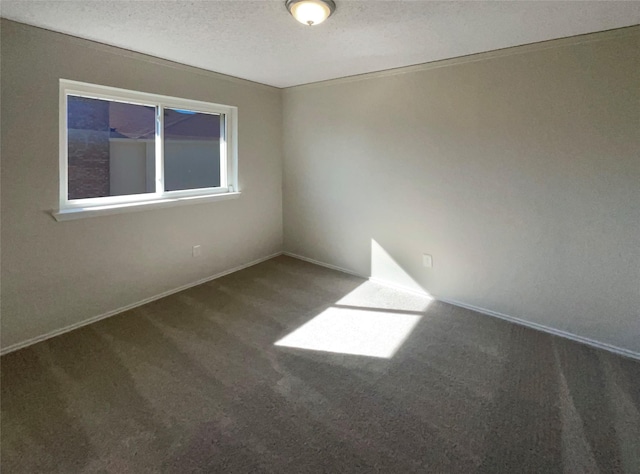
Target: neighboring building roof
[131,121]
[138,122]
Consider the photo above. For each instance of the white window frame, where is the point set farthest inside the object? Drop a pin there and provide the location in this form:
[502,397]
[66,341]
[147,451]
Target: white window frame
[89,207]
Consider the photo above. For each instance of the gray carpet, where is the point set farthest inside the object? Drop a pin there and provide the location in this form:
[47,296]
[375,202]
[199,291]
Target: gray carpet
[195,383]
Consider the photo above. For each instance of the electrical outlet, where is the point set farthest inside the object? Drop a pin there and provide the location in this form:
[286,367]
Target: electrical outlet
[427,261]
[196,251]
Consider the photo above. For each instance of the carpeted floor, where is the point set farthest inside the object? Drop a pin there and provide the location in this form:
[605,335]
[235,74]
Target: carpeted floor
[196,383]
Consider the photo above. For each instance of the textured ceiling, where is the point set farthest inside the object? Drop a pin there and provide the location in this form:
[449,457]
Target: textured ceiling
[260,41]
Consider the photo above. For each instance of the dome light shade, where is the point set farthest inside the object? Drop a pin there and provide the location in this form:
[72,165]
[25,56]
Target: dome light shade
[311,12]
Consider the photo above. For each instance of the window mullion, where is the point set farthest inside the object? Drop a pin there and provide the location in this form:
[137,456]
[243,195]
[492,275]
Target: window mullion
[159,149]
[224,176]
[64,149]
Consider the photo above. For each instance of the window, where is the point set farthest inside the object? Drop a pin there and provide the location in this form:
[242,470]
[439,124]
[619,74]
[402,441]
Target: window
[125,150]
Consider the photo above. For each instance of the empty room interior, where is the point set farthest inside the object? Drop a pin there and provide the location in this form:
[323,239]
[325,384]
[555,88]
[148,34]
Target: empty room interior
[315,236]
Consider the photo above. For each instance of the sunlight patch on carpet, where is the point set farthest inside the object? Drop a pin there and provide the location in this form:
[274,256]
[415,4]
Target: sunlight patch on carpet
[376,333]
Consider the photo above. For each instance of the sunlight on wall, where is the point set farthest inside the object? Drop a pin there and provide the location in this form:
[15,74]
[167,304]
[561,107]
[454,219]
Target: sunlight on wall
[385,269]
[374,332]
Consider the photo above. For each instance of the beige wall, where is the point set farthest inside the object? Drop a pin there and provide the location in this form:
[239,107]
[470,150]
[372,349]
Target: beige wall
[519,172]
[55,274]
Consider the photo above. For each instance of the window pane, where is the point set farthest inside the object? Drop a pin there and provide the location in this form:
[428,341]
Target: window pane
[191,150]
[111,148]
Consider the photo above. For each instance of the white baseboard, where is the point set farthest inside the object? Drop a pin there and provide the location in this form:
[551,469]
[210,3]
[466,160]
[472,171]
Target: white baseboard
[322,264]
[556,332]
[540,327]
[372,279]
[57,332]
[406,289]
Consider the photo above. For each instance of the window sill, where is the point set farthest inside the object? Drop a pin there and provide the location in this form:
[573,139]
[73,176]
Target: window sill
[96,211]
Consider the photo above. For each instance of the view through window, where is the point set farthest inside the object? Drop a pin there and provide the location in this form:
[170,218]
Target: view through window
[111,148]
[125,146]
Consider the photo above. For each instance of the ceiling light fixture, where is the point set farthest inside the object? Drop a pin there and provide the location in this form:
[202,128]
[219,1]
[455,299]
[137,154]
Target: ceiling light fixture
[310,12]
